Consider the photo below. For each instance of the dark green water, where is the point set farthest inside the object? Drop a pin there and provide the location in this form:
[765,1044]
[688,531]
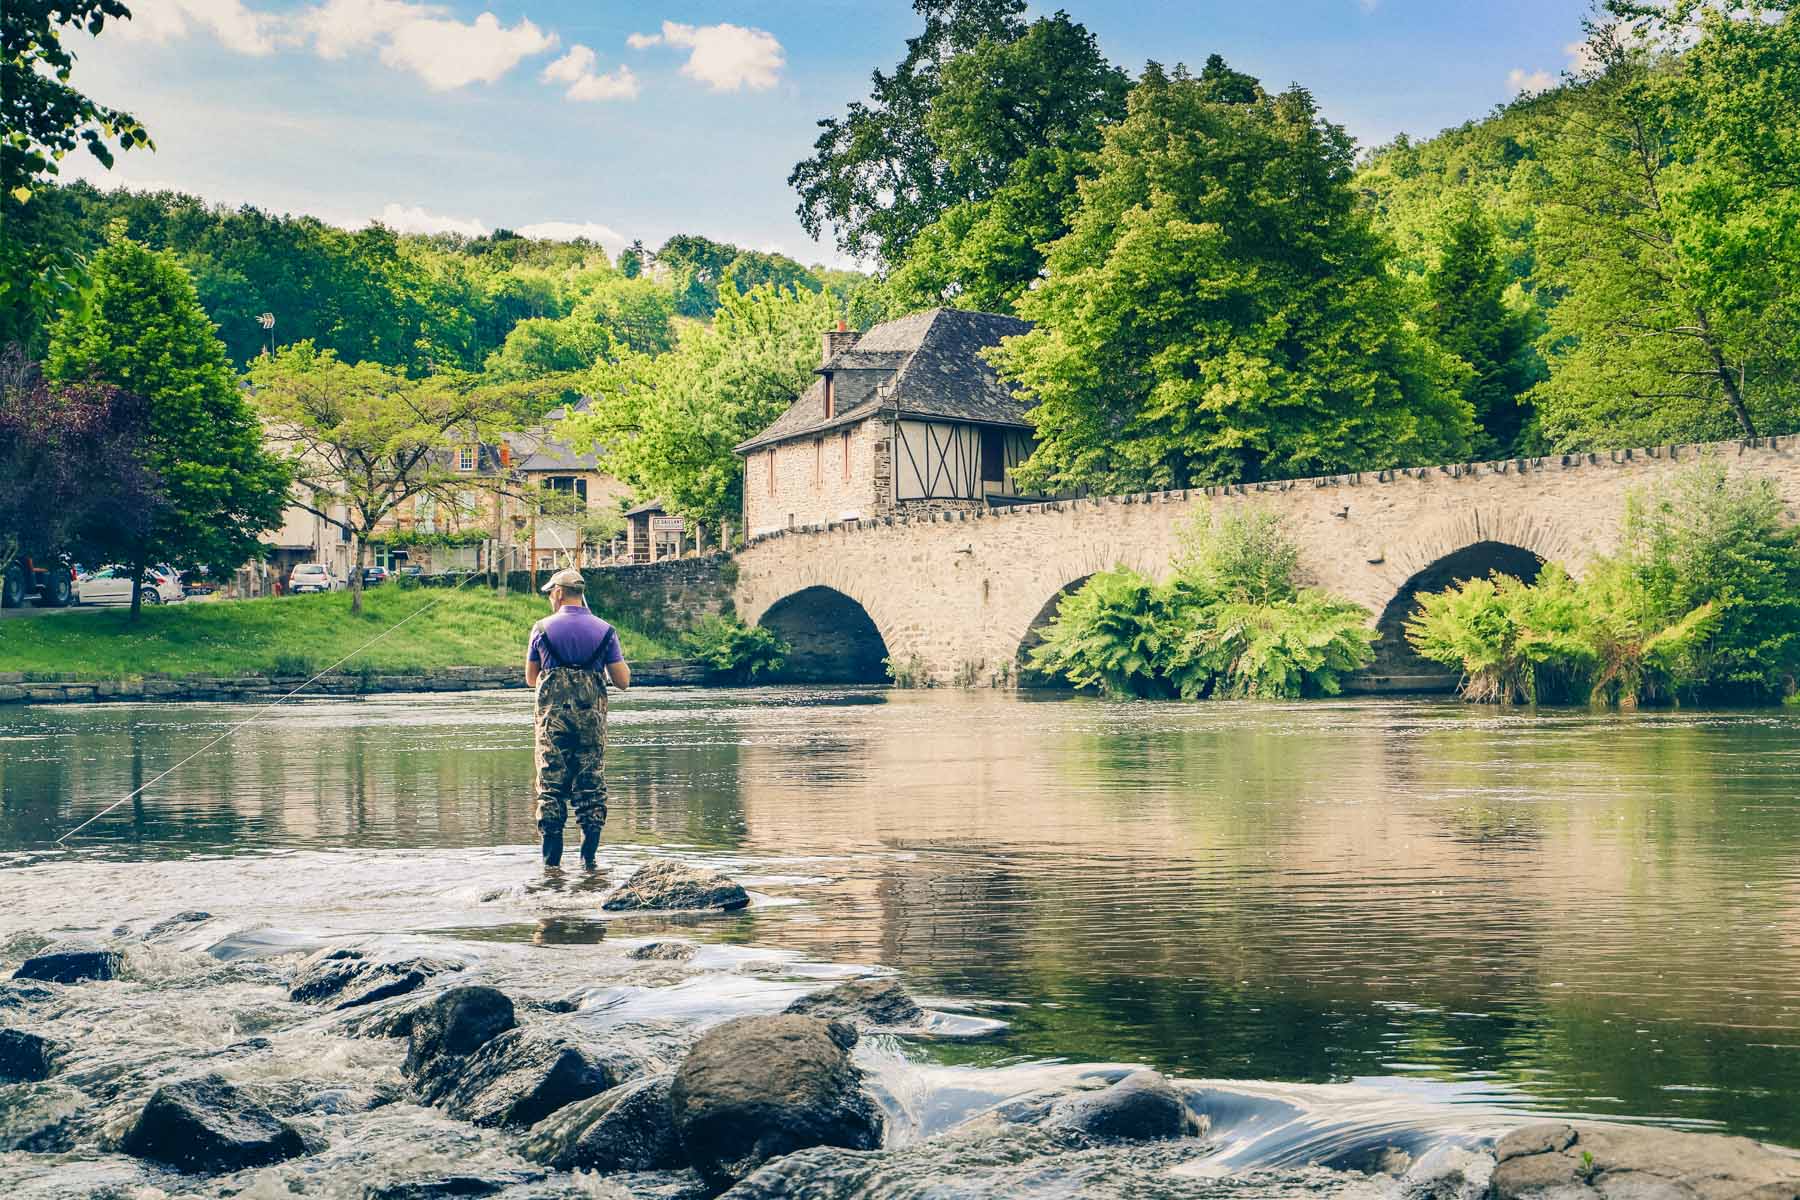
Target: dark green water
[1564,911]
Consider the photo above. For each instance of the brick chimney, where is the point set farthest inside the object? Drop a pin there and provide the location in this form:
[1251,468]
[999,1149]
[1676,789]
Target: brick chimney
[838,340]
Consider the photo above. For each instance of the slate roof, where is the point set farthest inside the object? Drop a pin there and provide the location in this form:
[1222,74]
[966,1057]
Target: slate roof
[923,365]
[536,450]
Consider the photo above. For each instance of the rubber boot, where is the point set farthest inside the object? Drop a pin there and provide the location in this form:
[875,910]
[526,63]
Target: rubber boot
[553,847]
[590,846]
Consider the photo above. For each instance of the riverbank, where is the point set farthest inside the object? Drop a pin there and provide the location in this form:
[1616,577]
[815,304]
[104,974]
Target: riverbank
[290,637]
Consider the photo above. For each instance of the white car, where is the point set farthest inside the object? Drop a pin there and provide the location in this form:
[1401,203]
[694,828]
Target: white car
[312,577]
[112,585]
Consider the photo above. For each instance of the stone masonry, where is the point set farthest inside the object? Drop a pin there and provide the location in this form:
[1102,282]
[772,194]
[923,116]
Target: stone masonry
[960,591]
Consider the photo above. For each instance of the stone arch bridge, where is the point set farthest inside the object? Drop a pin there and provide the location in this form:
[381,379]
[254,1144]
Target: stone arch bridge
[958,596]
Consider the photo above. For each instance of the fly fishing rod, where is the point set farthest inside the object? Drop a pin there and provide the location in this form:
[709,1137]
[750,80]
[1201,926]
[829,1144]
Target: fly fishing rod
[264,709]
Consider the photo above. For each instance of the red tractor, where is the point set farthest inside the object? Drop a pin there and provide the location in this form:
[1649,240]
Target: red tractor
[49,581]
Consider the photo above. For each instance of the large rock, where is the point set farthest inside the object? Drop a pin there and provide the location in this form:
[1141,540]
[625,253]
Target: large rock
[71,963]
[757,1087]
[26,1057]
[1141,1107]
[524,1075]
[865,1003]
[346,978]
[23,995]
[1628,1162]
[670,885]
[453,1026]
[205,1125]
[437,1187]
[629,1128]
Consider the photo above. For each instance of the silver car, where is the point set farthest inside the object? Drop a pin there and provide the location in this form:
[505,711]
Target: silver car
[312,577]
[112,585]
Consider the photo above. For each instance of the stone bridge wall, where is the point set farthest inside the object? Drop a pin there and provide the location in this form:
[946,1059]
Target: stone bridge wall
[959,592]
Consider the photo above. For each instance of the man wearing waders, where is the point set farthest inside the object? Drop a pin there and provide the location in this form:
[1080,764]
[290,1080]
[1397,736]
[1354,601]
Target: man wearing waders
[570,659]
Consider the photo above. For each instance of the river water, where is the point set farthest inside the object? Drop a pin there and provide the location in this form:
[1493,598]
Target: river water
[1480,914]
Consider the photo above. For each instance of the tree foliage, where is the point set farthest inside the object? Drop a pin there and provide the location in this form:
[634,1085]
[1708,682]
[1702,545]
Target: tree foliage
[144,331]
[733,651]
[1222,310]
[667,424]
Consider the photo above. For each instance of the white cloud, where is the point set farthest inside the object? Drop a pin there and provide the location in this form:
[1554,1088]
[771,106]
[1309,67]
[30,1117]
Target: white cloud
[576,68]
[236,27]
[568,231]
[724,57]
[1524,83]
[339,26]
[449,54]
[414,219]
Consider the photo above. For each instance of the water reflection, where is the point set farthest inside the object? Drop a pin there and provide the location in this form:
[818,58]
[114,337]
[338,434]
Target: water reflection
[1597,910]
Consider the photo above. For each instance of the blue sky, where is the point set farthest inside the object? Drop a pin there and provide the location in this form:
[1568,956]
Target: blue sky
[629,119]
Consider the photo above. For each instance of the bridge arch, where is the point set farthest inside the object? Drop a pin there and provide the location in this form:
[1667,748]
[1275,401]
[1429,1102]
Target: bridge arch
[1394,655]
[831,637]
[1034,632]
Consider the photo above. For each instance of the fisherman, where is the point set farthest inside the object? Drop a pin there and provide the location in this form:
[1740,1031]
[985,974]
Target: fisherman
[571,657]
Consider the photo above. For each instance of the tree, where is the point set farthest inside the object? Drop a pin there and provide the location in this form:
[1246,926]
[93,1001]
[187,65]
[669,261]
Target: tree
[668,424]
[144,331]
[361,439]
[876,176]
[1670,228]
[72,477]
[541,346]
[1222,310]
[1472,309]
[632,259]
[752,268]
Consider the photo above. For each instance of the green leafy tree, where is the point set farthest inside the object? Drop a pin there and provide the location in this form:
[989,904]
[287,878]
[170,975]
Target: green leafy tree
[145,332]
[753,268]
[1672,238]
[540,346]
[632,259]
[1471,308]
[667,424]
[1222,310]
[733,651]
[636,314]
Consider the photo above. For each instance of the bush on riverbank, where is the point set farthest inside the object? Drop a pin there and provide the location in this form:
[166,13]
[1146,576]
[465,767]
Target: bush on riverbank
[1231,622]
[1701,601]
[733,651]
[470,627]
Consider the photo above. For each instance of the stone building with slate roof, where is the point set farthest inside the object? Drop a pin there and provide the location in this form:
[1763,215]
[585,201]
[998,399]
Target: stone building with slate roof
[905,418]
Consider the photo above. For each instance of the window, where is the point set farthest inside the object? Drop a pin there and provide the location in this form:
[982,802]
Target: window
[818,461]
[771,470]
[830,398]
[993,455]
[465,458]
[846,456]
[571,484]
[425,513]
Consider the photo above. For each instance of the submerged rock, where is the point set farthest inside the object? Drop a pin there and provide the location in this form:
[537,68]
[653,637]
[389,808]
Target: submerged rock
[671,885]
[18,995]
[205,1125]
[1141,1107]
[41,1117]
[180,920]
[71,962]
[435,1186]
[755,1088]
[629,1128]
[1626,1161]
[522,1076]
[26,1057]
[662,952]
[347,978]
[866,1003]
[454,1025]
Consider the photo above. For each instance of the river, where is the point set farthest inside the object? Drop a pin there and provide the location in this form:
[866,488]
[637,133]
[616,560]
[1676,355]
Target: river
[1499,912]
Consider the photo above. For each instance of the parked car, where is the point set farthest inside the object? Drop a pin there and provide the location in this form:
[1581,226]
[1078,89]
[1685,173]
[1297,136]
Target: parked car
[312,577]
[49,580]
[374,576]
[112,585]
[410,571]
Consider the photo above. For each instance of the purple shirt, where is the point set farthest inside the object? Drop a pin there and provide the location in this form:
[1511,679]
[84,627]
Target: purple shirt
[570,637]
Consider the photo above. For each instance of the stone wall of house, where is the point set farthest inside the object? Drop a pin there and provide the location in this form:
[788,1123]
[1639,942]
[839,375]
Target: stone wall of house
[960,591]
[812,484]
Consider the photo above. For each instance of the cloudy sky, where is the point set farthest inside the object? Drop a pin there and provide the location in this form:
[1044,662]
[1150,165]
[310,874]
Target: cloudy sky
[623,119]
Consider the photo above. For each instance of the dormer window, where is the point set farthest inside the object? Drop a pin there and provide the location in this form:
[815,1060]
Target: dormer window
[830,398]
[465,458]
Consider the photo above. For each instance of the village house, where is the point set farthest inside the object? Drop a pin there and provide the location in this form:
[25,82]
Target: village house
[905,418]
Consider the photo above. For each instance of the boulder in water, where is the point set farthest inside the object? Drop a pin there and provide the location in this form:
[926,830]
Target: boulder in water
[662,952]
[71,962]
[522,1076]
[441,1187]
[347,978]
[629,1128]
[673,886]
[18,995]
[26,1057]
[453,1026]
[1141,1107]
[205,1125]
[1591,1161]
[865,1003]
[755,1088]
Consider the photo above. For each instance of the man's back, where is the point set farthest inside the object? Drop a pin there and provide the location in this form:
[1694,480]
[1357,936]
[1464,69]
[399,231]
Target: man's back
[573,637]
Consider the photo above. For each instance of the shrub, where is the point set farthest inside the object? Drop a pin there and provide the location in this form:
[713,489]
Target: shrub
[733,651]
[1514,642]
[1107,636]
[908,672]
[1290,648]
[1246,557]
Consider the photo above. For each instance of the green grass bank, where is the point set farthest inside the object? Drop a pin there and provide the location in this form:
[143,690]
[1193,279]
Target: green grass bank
[471,627]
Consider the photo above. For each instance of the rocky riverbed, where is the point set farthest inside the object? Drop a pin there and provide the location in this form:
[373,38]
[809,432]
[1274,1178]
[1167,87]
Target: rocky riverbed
[182,1053]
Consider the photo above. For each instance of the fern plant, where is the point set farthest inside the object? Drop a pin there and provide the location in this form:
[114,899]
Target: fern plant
[734,652]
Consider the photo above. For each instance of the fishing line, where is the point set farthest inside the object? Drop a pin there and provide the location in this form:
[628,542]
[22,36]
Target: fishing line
[264,709]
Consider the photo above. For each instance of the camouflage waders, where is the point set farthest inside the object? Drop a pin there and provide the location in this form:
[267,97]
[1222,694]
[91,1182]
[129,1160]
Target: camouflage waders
[571,750]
